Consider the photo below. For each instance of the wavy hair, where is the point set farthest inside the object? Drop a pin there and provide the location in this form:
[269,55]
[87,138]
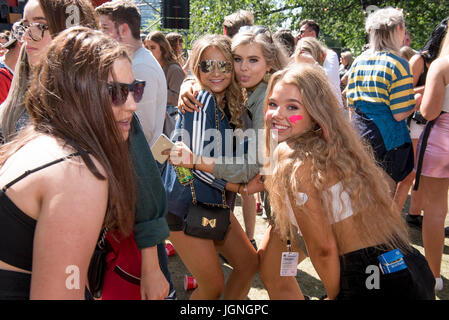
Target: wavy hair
[69,99]
[332,150]
[234,94]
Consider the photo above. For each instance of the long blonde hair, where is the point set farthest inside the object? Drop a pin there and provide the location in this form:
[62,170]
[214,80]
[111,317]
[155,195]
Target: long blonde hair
[332,150]
[234,94]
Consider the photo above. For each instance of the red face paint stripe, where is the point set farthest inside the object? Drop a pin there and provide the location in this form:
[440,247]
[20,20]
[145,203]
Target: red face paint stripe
[293,119]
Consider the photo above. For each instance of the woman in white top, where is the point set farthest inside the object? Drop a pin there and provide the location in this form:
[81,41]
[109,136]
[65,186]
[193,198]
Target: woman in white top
[327,181]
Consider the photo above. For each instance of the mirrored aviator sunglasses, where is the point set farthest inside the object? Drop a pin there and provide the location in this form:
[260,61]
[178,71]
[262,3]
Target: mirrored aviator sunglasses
[119,91]
[207,66]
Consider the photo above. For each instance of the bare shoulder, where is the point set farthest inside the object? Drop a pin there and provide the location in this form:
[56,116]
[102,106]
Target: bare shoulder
[68,179]
[416,60]
[439,70]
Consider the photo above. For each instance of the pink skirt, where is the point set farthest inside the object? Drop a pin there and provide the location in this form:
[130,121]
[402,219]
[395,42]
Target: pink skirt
[436,156]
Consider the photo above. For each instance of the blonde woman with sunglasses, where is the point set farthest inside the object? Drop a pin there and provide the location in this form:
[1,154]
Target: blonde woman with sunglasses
[255,57]
[211,63]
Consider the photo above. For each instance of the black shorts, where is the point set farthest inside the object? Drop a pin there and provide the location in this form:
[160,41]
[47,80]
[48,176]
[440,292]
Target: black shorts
[416,282]
[174,222]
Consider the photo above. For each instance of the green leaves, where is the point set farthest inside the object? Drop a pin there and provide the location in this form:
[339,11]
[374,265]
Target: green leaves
[342,22]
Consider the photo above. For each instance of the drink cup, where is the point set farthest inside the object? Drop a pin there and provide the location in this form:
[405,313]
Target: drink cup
[189,283]
[169,249]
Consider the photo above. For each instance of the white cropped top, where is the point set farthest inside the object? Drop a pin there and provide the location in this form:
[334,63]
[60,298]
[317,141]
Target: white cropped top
[341,208]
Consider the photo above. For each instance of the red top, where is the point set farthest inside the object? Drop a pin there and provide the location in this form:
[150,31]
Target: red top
[5,83]
[97,3]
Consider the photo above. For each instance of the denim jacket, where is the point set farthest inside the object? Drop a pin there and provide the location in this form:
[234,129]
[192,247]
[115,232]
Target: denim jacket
[198,130]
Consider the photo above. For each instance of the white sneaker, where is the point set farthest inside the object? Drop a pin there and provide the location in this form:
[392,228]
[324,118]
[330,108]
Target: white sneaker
[438,284]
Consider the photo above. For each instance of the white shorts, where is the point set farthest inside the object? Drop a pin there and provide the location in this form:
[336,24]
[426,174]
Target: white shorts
[416,129]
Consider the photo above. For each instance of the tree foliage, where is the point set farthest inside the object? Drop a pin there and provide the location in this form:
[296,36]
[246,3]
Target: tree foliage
[344,20]
[341,22]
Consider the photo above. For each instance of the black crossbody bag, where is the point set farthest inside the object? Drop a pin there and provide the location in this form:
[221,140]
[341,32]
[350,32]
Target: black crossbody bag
[208,221]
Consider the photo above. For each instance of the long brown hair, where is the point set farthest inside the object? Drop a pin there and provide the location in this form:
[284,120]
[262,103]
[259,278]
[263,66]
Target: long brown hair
[168,54]
[333,150]
[234,94]
[63,14]
[69,99]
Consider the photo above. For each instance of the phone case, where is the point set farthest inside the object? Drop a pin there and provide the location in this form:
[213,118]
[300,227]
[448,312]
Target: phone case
[162,143]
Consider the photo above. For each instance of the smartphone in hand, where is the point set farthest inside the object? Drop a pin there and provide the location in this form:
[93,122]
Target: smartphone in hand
[162,143]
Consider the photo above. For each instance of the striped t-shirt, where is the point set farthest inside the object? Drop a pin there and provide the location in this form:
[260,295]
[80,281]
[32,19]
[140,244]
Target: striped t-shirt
[380,85]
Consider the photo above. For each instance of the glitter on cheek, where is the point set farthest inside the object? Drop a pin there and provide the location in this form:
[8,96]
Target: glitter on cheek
[293,119]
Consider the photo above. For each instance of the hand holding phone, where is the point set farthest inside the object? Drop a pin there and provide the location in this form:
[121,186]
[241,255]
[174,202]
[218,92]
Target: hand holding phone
[162,143]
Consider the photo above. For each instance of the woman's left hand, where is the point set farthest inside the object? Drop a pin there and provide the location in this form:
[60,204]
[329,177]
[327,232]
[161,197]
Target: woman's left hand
[154,286]
[180,155]
[255,185]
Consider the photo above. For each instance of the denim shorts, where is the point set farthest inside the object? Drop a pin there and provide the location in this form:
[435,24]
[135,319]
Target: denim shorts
[416,282]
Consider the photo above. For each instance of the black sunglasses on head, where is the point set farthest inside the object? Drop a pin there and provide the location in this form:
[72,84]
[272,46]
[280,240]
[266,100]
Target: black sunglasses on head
[119,91]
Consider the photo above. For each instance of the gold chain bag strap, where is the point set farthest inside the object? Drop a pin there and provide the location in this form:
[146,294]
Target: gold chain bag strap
[208,221]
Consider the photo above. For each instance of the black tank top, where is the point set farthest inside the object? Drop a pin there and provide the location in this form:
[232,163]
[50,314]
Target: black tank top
[16,227]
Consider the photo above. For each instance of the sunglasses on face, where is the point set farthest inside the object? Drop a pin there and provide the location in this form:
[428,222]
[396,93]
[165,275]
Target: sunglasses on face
[207,66]
[119,91]
[35,30]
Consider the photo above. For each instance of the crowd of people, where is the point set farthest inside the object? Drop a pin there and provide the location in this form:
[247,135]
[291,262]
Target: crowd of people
[327,147]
